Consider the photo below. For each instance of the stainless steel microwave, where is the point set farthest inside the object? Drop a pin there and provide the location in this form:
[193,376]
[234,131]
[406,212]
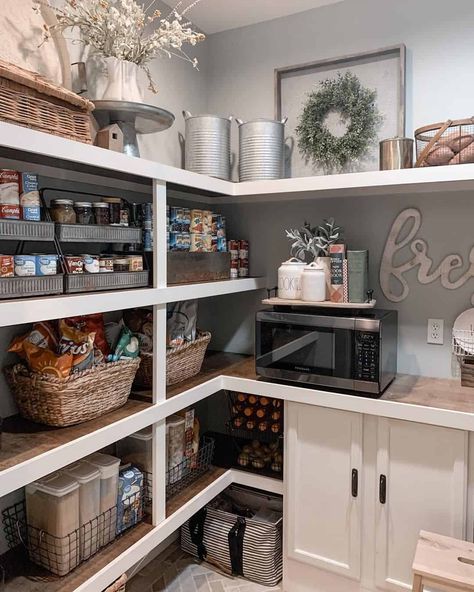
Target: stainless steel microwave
[349,350]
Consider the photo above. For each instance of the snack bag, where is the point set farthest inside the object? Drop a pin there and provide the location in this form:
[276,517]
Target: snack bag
[46,361]
[127,346]
[181,324]
[92,323]
[42,335]
[77,343]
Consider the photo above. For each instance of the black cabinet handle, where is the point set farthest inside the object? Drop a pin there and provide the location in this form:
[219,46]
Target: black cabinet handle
[355,482]
[383,489]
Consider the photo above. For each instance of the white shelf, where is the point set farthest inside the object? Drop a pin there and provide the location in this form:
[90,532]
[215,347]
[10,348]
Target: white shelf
[29,310]
[49,148]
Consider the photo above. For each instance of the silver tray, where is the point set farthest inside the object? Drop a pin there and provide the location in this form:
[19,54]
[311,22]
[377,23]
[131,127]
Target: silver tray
[19,287]
[93,282]
[95,233]
[26,230]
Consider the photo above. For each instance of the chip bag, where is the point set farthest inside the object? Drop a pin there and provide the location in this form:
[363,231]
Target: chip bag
[46,361]
[92,323]
[77,343]
[42,335]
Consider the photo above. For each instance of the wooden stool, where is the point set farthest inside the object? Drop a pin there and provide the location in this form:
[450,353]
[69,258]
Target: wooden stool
[444,563]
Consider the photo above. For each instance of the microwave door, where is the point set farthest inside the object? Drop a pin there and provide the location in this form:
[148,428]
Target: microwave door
[288,349]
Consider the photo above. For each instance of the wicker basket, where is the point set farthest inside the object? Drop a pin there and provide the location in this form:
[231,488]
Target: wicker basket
[28,99]
[467,371]
[119,585]
[80,397]
[451,142]
[182,362]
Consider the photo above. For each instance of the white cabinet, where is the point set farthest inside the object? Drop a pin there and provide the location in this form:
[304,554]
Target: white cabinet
[410,477]
[425,468]
[323,526]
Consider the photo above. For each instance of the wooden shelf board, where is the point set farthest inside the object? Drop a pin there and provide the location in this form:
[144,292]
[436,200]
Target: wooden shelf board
[22,574]
[179,500]
[275,301]
[215,364]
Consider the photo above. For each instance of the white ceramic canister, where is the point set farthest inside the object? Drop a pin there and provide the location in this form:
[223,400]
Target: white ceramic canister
[289,279]
[313,283]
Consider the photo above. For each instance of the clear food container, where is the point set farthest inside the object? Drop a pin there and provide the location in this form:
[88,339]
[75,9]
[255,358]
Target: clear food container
[175,445]
[108,467]
[137,449]
[52,514]
[88,477]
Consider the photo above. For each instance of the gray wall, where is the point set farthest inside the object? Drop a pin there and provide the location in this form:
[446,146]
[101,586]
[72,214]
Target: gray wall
[440,47]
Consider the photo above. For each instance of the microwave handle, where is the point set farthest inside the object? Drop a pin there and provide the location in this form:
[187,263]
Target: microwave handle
[307,320]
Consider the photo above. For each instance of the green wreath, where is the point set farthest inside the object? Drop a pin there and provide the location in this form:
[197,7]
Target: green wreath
[356,105]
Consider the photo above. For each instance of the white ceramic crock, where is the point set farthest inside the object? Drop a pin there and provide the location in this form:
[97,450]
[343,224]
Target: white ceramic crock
[313,283]
[289,279]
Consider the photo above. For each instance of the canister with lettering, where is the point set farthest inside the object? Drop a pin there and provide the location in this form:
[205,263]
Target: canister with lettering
[289,279]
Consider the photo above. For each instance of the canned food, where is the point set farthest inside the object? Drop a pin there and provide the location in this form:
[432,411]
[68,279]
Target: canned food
[74,264]
[243,249]
[234,247]
[7,266]
[207,221]
[29,197]
[243,267]
[234,268]
[221,244]
[91,263]
[25,265]
[106,264]
[135,263]
[197,224]
[9,194]
[198,243]
[46,264]
[121,264]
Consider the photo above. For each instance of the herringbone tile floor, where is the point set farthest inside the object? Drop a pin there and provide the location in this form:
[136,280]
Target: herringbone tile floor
[175,571]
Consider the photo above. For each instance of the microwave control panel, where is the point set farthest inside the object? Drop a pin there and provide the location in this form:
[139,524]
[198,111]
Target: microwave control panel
[367,356]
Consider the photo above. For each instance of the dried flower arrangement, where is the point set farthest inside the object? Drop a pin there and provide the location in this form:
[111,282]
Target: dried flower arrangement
[118,28]
[315,241]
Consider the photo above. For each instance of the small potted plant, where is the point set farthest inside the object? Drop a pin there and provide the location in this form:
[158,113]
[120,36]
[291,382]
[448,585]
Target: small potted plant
[315,242]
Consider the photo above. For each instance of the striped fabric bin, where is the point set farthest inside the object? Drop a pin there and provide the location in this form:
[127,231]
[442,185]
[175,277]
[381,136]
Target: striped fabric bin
[247,547]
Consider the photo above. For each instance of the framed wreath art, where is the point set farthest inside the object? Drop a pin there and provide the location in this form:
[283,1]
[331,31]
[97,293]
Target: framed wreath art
[345,96]
[339,108]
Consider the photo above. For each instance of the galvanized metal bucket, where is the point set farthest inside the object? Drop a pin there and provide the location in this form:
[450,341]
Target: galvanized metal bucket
[261,149]
[207,145]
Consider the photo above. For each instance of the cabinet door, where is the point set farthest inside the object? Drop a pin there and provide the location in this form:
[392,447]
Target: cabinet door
[323,509]
[426,485]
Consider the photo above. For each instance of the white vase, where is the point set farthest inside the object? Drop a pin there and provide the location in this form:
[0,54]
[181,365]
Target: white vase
[325,263]
[122,81]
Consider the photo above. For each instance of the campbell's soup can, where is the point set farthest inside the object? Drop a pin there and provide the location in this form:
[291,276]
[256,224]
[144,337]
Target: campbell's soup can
[234,247]
[243,249]
[234,268]
[243,267]
[9,194]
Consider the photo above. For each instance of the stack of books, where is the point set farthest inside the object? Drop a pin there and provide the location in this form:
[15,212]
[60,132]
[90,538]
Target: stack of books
[349,274]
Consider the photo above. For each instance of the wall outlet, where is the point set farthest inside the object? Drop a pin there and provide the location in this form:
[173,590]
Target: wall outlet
[435,331]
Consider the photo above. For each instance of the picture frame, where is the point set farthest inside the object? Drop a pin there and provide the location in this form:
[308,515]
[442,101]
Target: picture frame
[387,66]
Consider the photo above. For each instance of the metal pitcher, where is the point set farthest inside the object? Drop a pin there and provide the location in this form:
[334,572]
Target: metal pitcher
[207,145]
[261,149]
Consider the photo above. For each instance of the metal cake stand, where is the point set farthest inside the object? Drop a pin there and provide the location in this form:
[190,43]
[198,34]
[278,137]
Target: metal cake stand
[133,119]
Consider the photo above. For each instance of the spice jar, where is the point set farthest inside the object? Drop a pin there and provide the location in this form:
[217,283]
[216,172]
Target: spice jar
[101,213]
[83,211]
[106,263]
[114,204]
[121,264]
[62,210]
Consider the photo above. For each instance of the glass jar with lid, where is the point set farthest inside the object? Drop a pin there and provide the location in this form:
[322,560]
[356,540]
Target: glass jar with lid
[101,213]
[62,211]
[115,205]
[83,211]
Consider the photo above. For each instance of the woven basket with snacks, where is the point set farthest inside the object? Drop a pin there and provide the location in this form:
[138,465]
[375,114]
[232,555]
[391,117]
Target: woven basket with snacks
[451,142]
[182,362]
[80,397]
[29,100]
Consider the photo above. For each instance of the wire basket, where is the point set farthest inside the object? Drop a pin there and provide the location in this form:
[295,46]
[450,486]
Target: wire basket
[186,472]
[451,142]
[463,343]
[60,555]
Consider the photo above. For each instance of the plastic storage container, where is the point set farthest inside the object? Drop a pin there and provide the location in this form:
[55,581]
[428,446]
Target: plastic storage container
[88,477]
[137,449]
[52,513]
[175,444]
[108,467]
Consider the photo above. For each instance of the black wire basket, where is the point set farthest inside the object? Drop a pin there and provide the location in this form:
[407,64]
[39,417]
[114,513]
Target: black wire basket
[60,555]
